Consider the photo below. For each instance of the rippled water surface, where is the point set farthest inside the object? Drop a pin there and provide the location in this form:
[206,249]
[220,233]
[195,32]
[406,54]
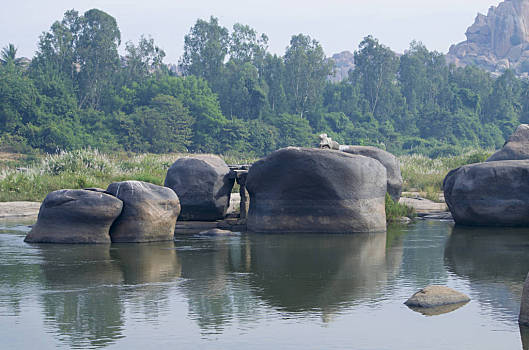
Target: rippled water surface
[264,291]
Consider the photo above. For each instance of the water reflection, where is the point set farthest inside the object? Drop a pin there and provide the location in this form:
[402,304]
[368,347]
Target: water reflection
[495,260]
[324,273]
[87,287]
[82,302]
[215,272]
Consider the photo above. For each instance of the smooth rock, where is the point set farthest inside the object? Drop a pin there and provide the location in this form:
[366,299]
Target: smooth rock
[218,232]
[435,296]
[203,184]
[75,216]
[523,318]
[516,148]
[149,212]
[489,194]
[388,160]
[316,190]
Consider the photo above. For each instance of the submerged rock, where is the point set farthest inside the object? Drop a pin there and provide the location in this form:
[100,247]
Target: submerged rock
[516,148]
[149,212]
[489,194]
[316,190]
[436,296]
[75,216]
[218,232]
[388,160]
[203,184]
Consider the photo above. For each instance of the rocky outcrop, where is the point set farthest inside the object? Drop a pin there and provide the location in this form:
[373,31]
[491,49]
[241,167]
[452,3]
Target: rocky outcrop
[436,296]
[497,41]
[388,160]
[489,194]
[316,190]
[203,184]
[516,148]
[75,216]
[343,63]
[149,212]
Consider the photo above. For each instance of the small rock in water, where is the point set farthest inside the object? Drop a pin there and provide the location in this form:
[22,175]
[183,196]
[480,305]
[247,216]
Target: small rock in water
[218,232]
[435,296]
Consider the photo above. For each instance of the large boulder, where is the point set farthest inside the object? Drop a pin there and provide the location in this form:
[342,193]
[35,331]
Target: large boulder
[388,160]
[75,216]
[149,212]
[489,194]
[203,184]
[516,148]
[316,190]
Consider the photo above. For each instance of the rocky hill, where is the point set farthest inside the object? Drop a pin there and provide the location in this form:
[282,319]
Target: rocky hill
[343,62]
[497,41]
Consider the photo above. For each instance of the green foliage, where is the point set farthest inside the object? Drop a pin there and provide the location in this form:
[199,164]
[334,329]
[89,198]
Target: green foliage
[236,98]
[394,211]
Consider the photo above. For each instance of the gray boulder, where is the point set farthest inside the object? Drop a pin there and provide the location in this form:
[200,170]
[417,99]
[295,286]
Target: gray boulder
[75,216]
[388,160]
[316,190]
[203,184]
[489,194]
[149,212]
[516,148]
[435,296]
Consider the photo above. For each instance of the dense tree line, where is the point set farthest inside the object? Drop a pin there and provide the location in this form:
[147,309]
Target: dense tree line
[233,96]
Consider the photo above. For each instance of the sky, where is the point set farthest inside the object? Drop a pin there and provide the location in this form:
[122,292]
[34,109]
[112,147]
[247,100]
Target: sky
[337,24]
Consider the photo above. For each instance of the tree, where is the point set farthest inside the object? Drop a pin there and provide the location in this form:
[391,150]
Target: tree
[97,56]
[205,49]
[376,72]
[162,126]
[142,60]
[306,70]
[246,46]
[9,56]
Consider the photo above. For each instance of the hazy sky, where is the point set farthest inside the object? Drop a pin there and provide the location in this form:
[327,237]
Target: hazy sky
[337,24]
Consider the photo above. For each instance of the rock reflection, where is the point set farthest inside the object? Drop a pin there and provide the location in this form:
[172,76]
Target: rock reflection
[488,255]
[88,286]
[82,300]
[296,273]
[214,271]
[524,334]
[148,269]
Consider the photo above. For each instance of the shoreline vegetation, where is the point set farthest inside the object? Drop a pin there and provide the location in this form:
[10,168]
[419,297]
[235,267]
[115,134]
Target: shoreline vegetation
[30,177]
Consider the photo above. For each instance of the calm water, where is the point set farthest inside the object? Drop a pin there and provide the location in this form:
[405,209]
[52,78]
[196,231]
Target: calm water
[264,291]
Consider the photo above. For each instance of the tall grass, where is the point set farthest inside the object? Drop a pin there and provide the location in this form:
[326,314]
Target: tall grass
[423,174]
[82,169]
[90,168]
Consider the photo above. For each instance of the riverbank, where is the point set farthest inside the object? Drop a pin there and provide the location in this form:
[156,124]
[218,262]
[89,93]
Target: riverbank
[31,178]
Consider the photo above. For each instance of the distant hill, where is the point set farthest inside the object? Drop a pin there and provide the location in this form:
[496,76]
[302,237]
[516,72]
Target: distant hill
[343,62]
[497,41]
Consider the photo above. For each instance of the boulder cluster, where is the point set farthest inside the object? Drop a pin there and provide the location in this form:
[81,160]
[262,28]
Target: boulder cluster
[496,192]
[291,190]
[196,188]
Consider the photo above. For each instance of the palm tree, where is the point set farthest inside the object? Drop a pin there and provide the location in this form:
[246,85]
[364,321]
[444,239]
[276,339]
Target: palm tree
[9,55]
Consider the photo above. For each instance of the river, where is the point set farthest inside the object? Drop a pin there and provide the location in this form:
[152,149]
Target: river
[264,291]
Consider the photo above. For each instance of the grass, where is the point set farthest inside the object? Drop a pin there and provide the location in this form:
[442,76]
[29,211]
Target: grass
[426,175]
[396,210]
[81,169]
[31,177]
